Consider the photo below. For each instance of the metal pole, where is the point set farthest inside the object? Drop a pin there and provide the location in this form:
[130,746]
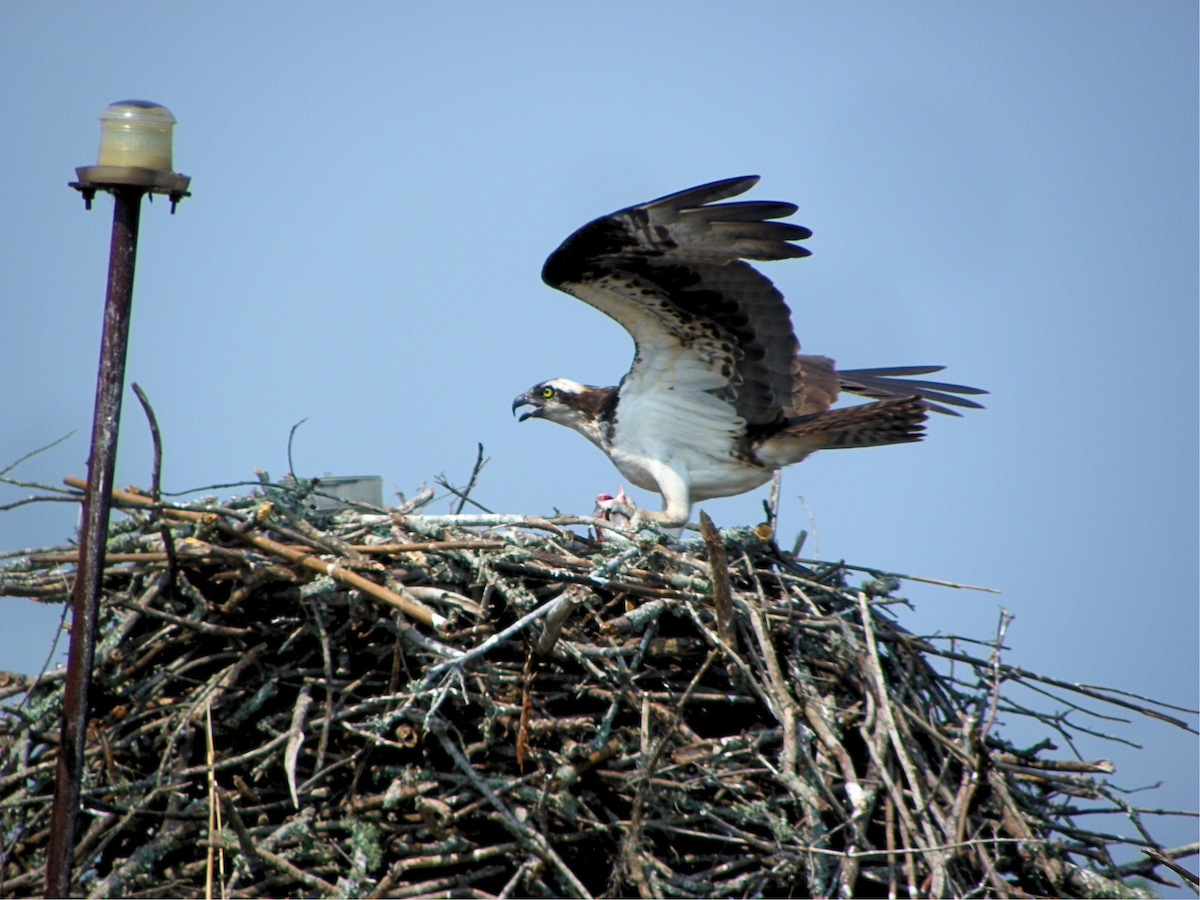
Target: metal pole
[110,383]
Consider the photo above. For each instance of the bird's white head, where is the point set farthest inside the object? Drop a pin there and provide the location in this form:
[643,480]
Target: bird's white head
[579,406]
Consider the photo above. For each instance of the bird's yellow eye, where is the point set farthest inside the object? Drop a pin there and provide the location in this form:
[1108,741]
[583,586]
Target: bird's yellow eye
[547,393]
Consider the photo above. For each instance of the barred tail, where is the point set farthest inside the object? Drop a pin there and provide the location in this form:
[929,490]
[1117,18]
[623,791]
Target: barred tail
[869,425]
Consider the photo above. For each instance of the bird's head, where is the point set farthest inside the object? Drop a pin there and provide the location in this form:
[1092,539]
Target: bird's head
[557,400]
[577,406]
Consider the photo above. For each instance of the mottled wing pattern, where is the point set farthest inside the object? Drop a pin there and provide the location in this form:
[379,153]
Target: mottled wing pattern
[671,273]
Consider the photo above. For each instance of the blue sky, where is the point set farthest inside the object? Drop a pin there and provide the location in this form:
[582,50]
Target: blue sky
[1007,189]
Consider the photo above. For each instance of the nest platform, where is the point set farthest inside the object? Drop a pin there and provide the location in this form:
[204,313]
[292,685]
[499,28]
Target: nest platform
[384,703]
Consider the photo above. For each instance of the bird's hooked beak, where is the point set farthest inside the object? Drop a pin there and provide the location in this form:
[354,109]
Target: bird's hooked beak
[527,400]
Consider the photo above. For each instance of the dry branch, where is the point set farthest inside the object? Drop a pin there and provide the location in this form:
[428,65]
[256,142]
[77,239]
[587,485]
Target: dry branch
[489,705]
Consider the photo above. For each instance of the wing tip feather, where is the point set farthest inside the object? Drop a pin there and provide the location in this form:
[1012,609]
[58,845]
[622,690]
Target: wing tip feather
[703,194]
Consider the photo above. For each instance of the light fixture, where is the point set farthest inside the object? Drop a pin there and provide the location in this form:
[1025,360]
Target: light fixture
[135,151]
[136,133]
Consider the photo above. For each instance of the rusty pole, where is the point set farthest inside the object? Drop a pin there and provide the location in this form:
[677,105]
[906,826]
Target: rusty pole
[110,383]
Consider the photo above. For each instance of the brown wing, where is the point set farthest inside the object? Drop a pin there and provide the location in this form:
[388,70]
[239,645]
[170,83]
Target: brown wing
[671,272]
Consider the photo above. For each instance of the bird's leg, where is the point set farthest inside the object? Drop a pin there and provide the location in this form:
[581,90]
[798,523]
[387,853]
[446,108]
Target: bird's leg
[677,501]
[665,521]
[621,510]
[677,504]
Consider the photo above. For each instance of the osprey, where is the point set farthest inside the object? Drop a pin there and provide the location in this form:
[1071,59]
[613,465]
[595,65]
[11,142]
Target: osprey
[719,397]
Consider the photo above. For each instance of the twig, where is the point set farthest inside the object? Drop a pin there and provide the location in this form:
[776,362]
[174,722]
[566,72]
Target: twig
[418,612]
[277,862]
[880,573]
[480,462]
[327,674]
[994,659]
[156,474]
[722,601]
[428,546]
[936,861]
[42,674]
[291,436]
[1018,673]
[193,624]
[295,739]
[556,617]
[33,453]
[531,840]
[425,524]
[214,810]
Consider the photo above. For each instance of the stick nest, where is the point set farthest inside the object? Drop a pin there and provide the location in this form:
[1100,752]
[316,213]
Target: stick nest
[389,704]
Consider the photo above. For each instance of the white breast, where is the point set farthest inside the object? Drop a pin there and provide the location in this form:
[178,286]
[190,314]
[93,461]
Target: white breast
[691,432]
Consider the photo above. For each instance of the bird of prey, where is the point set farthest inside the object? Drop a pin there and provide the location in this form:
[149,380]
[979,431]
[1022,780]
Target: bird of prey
[719,396]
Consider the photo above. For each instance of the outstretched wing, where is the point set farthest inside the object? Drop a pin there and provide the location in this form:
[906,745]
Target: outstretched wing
[704,322]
